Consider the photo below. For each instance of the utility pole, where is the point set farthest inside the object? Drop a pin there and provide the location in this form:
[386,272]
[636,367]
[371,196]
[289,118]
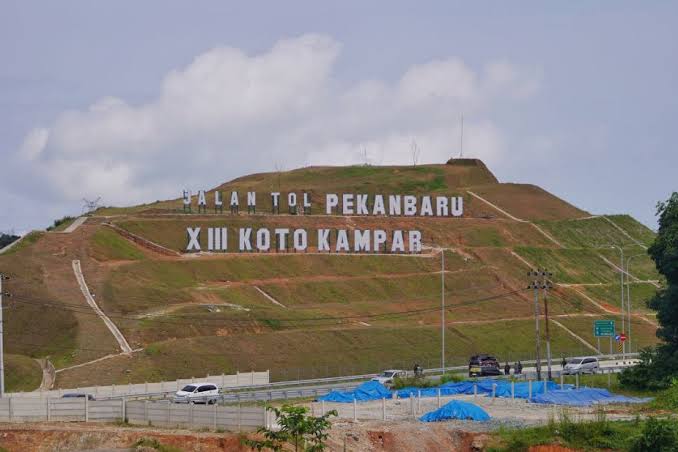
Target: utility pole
[442,308]
[546,285]
[536,285]
[2,356]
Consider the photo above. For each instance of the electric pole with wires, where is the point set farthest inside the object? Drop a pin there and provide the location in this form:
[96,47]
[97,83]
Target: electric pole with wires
[2,356]
[536,286]
[546,285]
[541,280]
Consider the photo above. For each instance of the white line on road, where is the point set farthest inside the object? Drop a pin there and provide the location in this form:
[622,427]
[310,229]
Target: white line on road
[124,346]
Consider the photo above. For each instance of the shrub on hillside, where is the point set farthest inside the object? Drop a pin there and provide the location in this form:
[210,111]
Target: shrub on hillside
[658,435]
[59,222]
[6,239]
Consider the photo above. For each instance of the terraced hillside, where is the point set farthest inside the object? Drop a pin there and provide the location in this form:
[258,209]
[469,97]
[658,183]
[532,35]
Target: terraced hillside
[305,314]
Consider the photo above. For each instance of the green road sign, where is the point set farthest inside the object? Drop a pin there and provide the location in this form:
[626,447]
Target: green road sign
[603,328]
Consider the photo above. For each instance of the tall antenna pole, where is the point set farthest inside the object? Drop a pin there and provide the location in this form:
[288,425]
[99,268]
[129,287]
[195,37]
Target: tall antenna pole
[461,138]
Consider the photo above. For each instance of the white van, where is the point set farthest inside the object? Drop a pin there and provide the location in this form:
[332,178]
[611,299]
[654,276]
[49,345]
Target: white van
[204,392]
[584,365]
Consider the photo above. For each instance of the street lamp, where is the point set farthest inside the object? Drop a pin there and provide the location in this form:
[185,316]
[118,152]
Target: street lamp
[628,292]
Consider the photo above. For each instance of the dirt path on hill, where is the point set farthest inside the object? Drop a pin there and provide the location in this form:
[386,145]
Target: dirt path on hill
[48,375]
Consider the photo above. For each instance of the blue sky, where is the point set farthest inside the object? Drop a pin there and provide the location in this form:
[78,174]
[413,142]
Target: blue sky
[133,101]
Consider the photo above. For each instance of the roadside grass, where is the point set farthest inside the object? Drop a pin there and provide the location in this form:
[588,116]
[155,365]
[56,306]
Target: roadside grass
[106,245]
[30,238]
[600,434]
[587,233]
[610,294]
[642,333]
[570,265]
[311,353]
[21,373]
[527,202]
[634,228]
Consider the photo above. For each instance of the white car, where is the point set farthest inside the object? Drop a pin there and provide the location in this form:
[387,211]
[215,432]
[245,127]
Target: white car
[204,392]
[585,365]
[386,377]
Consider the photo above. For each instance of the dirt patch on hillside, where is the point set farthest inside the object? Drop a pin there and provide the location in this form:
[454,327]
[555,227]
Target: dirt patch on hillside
[74,437]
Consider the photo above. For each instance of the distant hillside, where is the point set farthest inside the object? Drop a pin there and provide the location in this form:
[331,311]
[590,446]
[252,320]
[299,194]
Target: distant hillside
[305,314]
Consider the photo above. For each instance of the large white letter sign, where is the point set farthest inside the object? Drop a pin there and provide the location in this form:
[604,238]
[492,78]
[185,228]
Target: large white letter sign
[263,239]
[187,197]
[331,201]
[281,233]
[361,240]
[217,199]
[323,240]
[347,204]
[234,199]
[379,239]
[244,243]
[394,205]
[342,241]
[398,245]
[292,199]
[457,206]
[193,239]
[378,208]
[300,239]
[202,201]
[441,206]
[361,205]
[426,208]
[217,239]
[251,199]
[275,196]
[410,205]
[415,241]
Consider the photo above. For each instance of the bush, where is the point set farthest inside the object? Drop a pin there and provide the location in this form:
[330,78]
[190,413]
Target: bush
[652,373]
[658,435]
[454,378]
[417,382]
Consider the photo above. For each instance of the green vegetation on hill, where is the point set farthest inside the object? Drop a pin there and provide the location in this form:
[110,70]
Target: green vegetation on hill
[28,240]
[569,265]
[21,373]
[109,245]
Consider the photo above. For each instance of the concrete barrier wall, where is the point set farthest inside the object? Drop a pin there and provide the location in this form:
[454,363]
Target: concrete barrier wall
[159,413]
[223,381]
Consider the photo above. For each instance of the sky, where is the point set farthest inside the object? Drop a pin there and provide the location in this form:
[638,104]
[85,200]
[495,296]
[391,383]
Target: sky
[135,101]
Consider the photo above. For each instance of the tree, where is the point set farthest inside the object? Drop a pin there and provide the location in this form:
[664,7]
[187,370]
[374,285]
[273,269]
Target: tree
[658,366]
[6,239]
[305,433]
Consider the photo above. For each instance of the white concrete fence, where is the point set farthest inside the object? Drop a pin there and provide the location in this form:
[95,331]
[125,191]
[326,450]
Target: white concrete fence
[158,413]
[239,379]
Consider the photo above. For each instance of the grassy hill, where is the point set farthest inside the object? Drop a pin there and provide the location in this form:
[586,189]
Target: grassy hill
[313,314]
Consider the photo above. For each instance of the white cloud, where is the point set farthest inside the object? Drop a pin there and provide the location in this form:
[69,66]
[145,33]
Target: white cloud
[228,112]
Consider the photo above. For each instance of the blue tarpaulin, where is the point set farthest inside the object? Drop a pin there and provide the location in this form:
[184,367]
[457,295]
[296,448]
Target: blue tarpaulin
[522,389]
[456,409]
[370,390]
[584,397]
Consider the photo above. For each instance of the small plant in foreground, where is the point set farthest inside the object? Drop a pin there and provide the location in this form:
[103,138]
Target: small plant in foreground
[305,433]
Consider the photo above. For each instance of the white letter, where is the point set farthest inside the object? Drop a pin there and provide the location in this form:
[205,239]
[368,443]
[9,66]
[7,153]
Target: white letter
[415,241]
[245,244]
[201,198]
[457,206]
[193,239]
[307,200]
[210,239]
[187,197]
[347,204]
[275,195]
[426,209]
[292,200]
[224,239]
[394,205]
[361,240]
[263,240]
[217,199]
[251,199]
[300,239]
[342,241]
[234,198]
[441,206]
[410,205]
[378,208]
[323,240]
[361,205]
[379,239]
[331,201]
[397,244]
[282,237]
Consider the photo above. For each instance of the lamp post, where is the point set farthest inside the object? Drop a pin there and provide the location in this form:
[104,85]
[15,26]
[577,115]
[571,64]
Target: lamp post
[628,293]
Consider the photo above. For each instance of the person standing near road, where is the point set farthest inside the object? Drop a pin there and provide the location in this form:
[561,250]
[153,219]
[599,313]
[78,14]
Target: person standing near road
[507,369]
[519,368]
[563,363]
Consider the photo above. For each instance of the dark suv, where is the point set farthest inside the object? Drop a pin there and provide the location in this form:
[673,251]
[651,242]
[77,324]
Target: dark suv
[483,365]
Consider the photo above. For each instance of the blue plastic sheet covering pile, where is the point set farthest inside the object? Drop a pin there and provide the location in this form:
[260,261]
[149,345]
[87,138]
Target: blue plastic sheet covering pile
[584,397]
[456,409]
[371,390]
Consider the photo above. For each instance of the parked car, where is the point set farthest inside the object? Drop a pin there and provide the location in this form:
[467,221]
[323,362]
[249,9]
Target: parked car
[483,365]
[204,392]
[386,377]
[584,365]
[79,395]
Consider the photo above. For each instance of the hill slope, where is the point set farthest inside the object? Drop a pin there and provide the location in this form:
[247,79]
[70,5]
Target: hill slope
[303,314]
